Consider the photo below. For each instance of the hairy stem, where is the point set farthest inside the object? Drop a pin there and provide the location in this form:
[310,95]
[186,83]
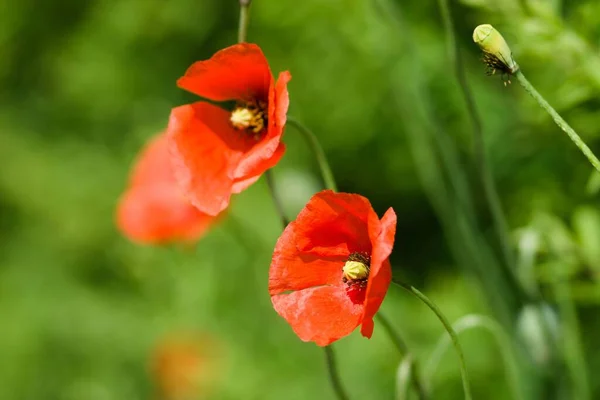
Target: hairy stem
[315,147]
[448,326]
[562,124]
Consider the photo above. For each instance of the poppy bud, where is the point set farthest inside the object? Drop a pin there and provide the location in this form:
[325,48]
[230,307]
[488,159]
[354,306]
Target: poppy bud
[497,54]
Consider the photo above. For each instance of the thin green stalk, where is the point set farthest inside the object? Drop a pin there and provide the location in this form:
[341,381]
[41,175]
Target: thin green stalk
[276,199]
[244,19]
[572,348]
[329,183]
[334,376]
[562,124]
[487,180]
[404,377]
[329,354]
[315,146]
[507,352]
[415,375]
[448,326]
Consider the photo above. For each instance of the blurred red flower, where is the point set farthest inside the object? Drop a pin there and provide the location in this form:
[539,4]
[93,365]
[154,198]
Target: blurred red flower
[330,269]
[153,208]
[219,152]
[186,366]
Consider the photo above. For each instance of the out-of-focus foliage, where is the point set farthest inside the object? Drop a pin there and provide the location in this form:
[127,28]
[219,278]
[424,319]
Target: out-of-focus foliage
[83,84]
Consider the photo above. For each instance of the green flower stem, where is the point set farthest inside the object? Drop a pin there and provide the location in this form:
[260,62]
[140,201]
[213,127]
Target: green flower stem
[334,376]
[400,344]
[403,376]
[461,358]
[244,19]
[572,348]
[562,124]
[483,167]
[276,199]
[315,146]
[329,354]
[507,351]
[329,183]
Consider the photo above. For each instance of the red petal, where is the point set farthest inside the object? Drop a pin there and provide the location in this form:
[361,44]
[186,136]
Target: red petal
[293,270]
[254,175]
[323,314]
[264,150]
[279,101]
[153,209]
[158,213]
[380,275]
[238,72]
[206,151]
[153,163]
[251,175]
[334,224]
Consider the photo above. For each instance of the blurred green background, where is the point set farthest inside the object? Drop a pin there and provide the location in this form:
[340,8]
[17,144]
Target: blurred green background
[83,84]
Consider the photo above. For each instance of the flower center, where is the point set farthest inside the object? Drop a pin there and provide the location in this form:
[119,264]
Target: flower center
[250,117]
[355,274]
[356,269]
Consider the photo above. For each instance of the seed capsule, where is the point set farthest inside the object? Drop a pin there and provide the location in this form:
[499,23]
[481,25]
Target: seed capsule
[355,271]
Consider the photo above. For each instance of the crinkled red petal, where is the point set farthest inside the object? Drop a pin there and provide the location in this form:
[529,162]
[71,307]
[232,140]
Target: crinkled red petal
[321,314]
[254,161]
[253,175]
[380,276]
[334,224]
[206,151]
[294,270]
[238,72]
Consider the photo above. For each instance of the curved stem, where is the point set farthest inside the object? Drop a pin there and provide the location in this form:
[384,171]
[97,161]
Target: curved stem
[276,200]
[461,358]
[403,378]
[473,321]
[572,348]
[329,181]
[334,376]
[562,124]
[315,146]
[415,375]
[394,336]
[489,188]
[244,19]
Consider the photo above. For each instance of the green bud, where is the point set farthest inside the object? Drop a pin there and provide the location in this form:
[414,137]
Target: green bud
[497,54]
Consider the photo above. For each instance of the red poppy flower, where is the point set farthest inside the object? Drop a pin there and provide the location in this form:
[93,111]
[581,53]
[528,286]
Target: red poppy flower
[330,269]
[153,209]
[219,152]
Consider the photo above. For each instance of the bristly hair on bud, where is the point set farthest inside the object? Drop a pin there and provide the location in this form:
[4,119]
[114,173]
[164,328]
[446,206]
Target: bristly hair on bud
[496,53]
